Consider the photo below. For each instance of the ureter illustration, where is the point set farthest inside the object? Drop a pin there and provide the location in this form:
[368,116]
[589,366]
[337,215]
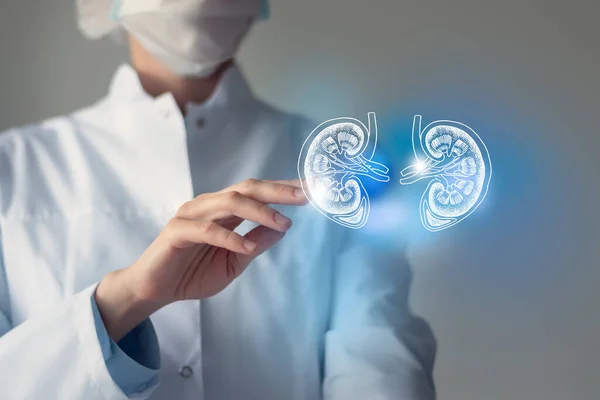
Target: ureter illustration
[333,161]
[457,164]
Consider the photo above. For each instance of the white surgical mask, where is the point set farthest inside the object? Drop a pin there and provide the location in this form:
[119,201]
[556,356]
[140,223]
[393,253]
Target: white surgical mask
[191,37]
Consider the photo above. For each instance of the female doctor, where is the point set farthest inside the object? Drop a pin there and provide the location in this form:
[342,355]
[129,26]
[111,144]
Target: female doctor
[152,203]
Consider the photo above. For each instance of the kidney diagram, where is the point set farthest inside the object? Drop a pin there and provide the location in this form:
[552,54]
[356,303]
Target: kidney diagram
[456,162]
[334,160]
[338,156]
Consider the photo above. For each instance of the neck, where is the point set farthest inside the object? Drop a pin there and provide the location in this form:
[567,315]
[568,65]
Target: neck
[157,79]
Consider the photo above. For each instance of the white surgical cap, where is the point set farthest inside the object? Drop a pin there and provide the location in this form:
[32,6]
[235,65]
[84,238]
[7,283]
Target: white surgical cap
[94,17]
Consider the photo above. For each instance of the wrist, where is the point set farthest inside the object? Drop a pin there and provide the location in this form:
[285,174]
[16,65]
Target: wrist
[119,305]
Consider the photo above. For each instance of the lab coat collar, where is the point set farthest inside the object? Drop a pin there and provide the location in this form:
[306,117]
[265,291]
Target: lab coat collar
[231,89]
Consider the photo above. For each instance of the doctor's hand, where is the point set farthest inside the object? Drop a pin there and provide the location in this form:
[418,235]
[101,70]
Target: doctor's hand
[198,254]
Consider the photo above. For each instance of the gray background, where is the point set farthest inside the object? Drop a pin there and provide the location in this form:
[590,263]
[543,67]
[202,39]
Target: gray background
[512,294]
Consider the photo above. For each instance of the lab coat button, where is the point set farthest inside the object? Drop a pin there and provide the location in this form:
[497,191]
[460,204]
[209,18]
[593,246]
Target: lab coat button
[186,371]
[142,387]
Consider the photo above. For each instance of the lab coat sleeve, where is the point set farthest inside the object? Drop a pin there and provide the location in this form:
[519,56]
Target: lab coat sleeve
[375,347]
[56,355]
[134,362]
[4,302]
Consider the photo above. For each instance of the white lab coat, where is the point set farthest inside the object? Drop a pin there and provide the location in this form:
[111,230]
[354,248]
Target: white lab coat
[85,194]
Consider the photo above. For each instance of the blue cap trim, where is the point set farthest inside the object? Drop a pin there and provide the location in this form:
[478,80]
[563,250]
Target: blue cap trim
[265,10]
[114,10]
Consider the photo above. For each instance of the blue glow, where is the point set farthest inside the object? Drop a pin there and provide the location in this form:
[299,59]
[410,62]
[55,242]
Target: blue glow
[376,188]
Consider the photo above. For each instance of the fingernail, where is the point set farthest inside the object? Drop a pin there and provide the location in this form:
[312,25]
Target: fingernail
[249,245]
[281,219]
[298,192]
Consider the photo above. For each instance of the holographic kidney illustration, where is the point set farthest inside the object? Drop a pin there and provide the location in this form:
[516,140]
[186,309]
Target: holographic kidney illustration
[458,164]
[334,160]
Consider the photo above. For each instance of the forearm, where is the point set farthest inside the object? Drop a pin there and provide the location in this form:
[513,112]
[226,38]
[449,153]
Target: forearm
[119,305]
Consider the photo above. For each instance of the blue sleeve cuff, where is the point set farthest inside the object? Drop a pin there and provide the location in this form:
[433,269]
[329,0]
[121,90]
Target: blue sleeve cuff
[134,362]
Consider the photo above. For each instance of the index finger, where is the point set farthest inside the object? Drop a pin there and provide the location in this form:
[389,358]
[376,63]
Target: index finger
[272,192]
[291,182]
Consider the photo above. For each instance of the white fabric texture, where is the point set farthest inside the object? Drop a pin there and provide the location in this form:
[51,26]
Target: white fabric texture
[95,17]
[56,355]
[316,317]
[188,46]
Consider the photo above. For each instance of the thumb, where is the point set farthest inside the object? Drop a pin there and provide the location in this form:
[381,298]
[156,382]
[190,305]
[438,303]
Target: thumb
[265,238]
